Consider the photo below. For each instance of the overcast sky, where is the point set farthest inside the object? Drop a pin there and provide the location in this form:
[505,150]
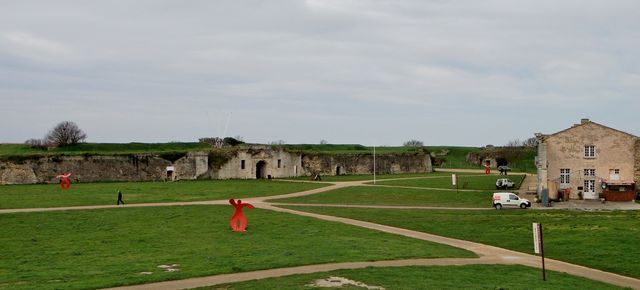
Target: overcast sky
[346,71]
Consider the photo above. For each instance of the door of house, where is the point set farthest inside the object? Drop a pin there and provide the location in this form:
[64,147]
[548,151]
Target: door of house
[589,189]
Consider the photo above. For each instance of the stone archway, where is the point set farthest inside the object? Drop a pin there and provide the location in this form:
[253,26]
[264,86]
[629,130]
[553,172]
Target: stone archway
[261,167]
[338,170]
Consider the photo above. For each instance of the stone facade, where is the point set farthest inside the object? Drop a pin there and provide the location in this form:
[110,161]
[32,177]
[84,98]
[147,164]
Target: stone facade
[248,162]
[565,160]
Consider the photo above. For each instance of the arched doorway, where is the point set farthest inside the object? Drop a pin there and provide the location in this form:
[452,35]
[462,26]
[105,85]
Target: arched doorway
[260,169]
[338,170]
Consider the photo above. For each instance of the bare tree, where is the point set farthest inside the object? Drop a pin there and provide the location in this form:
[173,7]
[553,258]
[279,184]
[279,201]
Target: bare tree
[413,143]
[279,142]
[531,142]
[65,133]
[514,143]
[37,143]
[323,142]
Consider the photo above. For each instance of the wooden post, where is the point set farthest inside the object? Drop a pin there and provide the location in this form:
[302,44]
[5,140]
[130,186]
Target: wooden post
[544,272]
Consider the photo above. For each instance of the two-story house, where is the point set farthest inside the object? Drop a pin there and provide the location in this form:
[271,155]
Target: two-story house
[588,161]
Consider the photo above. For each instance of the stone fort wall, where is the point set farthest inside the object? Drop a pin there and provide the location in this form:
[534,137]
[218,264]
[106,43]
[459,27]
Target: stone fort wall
[243,163]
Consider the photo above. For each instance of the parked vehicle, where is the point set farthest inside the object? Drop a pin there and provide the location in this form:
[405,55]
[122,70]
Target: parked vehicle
[509,199]
[504,183]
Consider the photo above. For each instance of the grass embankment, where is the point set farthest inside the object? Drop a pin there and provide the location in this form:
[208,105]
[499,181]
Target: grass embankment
[436,277]
[346,149]
[456,157]
[50,195]
[475,182]
[112,247]
[104,148]
[602,240]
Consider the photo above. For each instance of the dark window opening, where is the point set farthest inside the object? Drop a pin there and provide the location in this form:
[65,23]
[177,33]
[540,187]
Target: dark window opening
[242,164]
[279,163]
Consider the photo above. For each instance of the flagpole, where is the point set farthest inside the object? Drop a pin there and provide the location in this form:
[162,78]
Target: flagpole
[374,164]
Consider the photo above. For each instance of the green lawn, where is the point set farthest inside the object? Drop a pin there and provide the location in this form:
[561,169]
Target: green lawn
[362,177]
[602,240]
[479,182]
[112,247]
[374,195]
[50,195]
[435,277]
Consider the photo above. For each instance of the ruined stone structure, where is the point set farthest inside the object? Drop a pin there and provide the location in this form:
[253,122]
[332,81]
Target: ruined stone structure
[588,161]
[243,162]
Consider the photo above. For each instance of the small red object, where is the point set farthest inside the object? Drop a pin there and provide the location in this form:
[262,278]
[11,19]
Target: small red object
[487,170]
[238,216]
[64,180]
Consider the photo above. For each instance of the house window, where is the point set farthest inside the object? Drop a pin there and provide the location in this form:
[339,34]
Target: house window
[590,172]
[564,175]
[242,164]
[614,174]
[279,163]
[590,151]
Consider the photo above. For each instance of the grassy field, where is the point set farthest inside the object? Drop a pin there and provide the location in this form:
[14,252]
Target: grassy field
[362,177]
[436,277]
[50,195]
[112,247]
[602,240]
[478,182]
[374,195]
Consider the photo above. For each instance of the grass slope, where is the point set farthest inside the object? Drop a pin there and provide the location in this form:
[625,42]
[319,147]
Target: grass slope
[435,277]
[363,177]
[50,195]
[602,240]
[374,195]
[111,247]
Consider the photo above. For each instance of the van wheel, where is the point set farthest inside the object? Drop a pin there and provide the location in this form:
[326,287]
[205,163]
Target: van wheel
[497,206]
[523,206]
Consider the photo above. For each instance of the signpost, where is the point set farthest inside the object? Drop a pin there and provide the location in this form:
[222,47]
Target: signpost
[538,245]
[454,181]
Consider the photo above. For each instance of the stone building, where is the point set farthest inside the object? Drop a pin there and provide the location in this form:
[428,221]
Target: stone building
[588,161]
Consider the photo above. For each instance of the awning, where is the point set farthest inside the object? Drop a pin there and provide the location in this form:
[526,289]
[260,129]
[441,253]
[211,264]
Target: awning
[618,182]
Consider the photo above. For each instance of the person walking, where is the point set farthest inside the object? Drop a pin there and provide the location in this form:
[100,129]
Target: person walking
[120,198]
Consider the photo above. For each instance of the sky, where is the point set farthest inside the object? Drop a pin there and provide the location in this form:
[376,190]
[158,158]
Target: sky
[377,72]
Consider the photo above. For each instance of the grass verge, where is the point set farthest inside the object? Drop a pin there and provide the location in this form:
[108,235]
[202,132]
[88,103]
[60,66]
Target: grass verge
[50,195]
[376,195]
[477,182]
[601,240]
[434,277]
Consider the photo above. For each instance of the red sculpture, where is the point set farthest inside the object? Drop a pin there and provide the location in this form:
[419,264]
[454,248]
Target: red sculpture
[64,181]
[239,216]
[487,168]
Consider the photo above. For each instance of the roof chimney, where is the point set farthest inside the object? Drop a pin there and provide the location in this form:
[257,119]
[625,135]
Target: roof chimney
[584,121]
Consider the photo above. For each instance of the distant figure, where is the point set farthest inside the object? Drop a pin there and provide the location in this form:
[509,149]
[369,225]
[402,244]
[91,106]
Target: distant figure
[120,201]
[239,216]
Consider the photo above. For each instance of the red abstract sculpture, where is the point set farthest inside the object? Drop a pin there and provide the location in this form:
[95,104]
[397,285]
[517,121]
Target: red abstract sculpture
[64,181]
[239,216]
[487,168]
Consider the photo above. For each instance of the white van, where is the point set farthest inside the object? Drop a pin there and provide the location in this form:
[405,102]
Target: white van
[501,199]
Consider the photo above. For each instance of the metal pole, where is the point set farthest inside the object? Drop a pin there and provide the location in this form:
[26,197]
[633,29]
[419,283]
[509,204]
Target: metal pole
[544,274]
[374,164]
